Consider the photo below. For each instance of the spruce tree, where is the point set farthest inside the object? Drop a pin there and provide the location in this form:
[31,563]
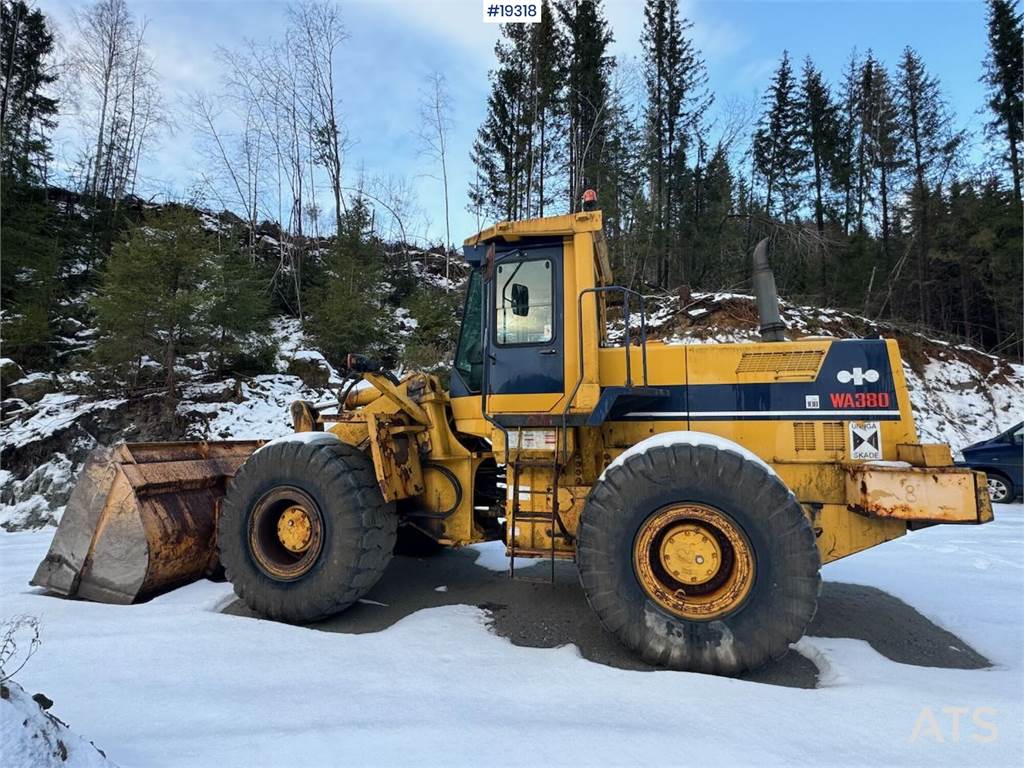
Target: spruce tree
[546,42]
[28,230]
[882,140]
[587,69]
[819,139]
[27,108]
[779,156]
[151,301]
[348,313]
[676,99]
[1004,75]
[236,313]
[501,149]
[818,135]
[845,169]
[925,128]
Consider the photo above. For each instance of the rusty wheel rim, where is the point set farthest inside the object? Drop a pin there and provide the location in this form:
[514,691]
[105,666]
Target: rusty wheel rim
[694,561]
[286,533]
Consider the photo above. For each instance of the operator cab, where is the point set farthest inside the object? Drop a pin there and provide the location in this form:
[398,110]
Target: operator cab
[519,287]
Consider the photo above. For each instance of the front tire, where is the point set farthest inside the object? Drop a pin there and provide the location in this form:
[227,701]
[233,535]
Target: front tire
[1000,489]
[304,531]
[698,558]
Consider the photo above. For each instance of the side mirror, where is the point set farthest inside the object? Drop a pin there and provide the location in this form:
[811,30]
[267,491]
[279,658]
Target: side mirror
[520,300]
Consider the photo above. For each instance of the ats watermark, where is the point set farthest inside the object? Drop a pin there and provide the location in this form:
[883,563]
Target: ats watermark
[955,725]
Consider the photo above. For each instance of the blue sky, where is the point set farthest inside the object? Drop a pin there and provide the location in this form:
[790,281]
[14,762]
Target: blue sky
[394,43]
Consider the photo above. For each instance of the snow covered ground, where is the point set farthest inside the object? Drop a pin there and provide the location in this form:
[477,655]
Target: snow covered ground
[177,682]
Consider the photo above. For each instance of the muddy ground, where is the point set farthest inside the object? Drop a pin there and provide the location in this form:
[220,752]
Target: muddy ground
[542,615]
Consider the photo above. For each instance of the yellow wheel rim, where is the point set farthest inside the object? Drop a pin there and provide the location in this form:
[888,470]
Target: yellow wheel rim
[694,561]
[286,533]
[294,529]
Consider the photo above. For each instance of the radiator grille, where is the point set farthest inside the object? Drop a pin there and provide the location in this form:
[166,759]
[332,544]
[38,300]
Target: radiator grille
[835,436]
[804,362]
[803,435]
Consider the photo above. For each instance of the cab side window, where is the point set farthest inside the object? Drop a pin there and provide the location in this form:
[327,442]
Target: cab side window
[469,356]
[524,302]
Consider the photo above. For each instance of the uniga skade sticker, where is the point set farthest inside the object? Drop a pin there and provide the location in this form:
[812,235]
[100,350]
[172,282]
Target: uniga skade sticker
[865,440]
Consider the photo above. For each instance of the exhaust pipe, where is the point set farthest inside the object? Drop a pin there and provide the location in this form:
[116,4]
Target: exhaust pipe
[772,327]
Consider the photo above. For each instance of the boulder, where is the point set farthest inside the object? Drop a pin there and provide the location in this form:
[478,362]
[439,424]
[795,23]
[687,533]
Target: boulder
[33,387]
[10,371]
[12,406]
[310,366]
[70,327]
[226,391]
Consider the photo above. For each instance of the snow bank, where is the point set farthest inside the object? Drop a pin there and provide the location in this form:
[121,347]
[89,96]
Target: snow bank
[30,737]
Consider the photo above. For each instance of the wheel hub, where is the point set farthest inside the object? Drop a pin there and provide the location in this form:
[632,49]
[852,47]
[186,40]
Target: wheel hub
[694,561]
[286,533]
[294,529]
[996,489]
[691,553]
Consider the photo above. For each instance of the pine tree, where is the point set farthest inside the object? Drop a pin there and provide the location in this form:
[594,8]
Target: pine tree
[881,139]
[27,109]
[622,190]
[779,157]
[348,314]
[151,302]
[28,241]
[845,169]
[501,149]
[818,135]
[236,313]
[587,71]
[924,124]
[676,99]
[31,260]
[546,42]
[819,140]
[1004,75]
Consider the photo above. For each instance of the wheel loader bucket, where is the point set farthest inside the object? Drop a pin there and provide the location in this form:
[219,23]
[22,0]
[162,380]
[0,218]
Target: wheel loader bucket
[142,519]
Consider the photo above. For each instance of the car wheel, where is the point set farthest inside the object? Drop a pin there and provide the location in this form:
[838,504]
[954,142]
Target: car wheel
[1000,489]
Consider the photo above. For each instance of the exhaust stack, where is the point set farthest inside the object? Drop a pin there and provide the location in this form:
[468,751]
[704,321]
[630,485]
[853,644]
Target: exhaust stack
[772,327]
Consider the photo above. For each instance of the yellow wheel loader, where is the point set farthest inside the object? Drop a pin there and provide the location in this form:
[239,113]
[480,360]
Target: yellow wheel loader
[699,488]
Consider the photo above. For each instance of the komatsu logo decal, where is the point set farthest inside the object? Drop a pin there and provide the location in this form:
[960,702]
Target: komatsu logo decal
[858,376]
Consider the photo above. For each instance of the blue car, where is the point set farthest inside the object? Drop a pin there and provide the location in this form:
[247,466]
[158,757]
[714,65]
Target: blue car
[1002,459]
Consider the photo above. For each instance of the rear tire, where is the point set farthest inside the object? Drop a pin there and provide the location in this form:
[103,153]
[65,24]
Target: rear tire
[353,530]
[762,594]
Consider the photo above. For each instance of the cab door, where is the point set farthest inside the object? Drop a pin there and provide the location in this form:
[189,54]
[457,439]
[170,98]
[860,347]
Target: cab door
[525,358]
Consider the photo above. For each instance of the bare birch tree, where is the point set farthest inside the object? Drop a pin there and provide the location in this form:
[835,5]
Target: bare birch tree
[433,128]
[317,33]
[122,104]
